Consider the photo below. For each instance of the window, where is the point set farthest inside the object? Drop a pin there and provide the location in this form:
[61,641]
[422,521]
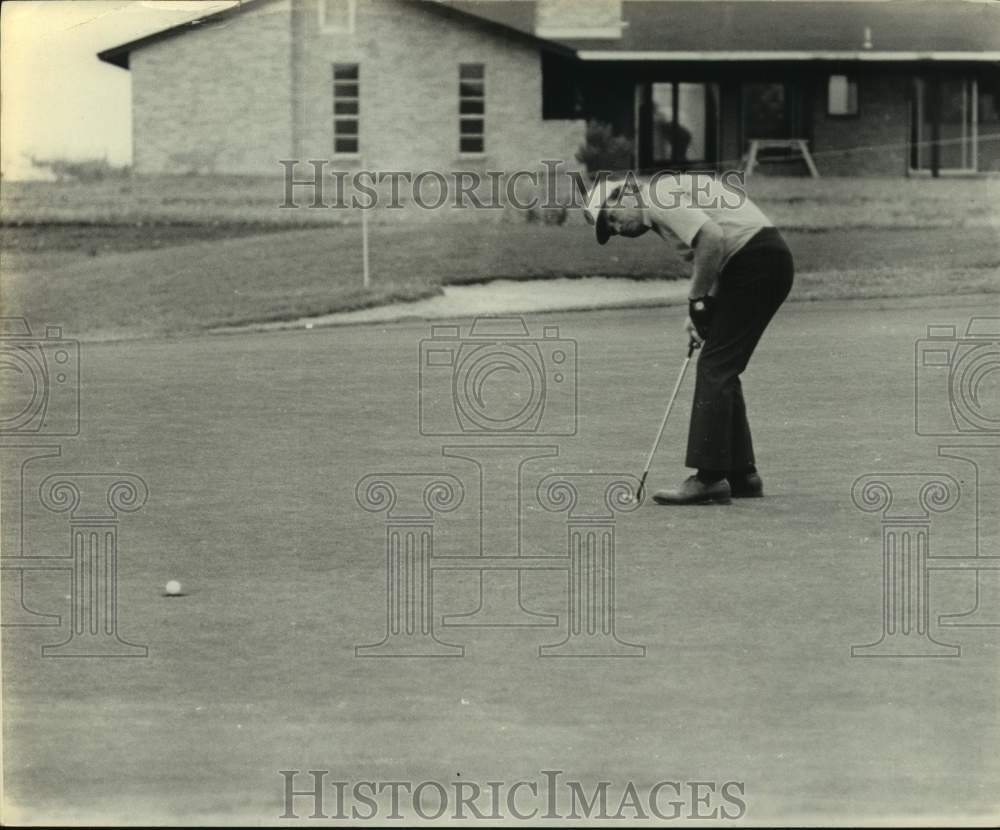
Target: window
[471,108]
[841,96]
[346,107]
[989,103]
[336,15]
[988,127]
[765,111]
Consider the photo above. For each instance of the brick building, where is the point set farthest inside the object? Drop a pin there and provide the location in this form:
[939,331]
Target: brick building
[875,88]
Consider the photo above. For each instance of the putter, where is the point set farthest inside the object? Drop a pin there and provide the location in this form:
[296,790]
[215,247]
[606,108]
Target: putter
[693,346]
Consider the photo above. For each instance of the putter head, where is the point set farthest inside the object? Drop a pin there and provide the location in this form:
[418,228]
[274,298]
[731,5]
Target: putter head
[637,495]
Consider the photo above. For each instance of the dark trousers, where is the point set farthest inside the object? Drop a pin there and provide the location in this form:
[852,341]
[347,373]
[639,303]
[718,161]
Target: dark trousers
[752,286]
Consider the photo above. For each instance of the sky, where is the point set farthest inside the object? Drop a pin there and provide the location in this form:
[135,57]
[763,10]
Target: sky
[57,100]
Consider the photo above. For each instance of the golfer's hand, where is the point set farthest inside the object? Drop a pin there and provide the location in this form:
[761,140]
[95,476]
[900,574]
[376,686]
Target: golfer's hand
[692,332]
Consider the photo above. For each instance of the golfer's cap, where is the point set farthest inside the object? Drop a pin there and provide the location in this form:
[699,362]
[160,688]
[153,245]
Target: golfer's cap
[600,194]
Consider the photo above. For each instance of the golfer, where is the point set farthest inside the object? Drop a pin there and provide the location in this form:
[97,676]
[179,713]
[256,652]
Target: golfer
[742,274]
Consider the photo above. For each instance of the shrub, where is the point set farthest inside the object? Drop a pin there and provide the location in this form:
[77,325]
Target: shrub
[603,149]
[81,170]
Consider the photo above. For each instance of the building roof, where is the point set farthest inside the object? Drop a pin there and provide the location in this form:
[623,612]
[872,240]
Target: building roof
[729,29]
[763,29]
[769,30]
[513,14]
[118,55]
[521,14]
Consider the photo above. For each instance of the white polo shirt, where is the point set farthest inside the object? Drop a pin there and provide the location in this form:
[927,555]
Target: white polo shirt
[682,203]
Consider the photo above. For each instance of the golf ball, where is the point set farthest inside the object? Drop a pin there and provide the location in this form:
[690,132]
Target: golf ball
[173,588]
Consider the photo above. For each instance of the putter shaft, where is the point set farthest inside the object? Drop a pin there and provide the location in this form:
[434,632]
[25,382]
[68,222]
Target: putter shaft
[692,347]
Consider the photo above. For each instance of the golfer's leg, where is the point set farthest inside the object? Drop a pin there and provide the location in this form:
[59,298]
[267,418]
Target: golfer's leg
[741,453]
[744,308]
[769,298]
[719,365]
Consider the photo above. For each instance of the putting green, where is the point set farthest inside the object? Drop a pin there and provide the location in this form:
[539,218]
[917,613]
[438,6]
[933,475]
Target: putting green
[252,447]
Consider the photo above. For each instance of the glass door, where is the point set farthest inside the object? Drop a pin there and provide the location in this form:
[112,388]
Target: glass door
[944,123]
[680,126]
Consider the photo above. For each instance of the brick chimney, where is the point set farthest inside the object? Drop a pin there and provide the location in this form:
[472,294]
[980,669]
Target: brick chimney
[577,19]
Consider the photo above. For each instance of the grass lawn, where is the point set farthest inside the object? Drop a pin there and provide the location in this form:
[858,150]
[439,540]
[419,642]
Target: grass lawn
[146,257]
[789,201]
[252,447]
[232,278]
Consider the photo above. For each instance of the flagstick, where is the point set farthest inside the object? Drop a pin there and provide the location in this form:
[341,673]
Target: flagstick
[364,247]
[366,276]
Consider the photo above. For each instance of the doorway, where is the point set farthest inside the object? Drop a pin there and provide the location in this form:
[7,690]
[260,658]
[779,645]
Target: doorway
[766,111]
[678,124]
[943,126]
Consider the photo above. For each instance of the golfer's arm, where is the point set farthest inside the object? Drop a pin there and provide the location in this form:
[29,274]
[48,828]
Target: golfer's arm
[708,255]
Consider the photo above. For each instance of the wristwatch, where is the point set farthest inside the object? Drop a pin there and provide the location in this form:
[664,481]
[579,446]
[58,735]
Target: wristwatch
[701,310]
